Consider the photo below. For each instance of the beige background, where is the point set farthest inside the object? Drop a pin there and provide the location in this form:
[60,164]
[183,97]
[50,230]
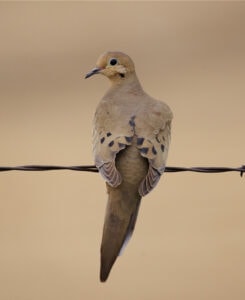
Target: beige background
[189,241]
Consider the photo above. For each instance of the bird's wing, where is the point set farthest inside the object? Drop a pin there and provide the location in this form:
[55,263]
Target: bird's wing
[111,134]
[153,138]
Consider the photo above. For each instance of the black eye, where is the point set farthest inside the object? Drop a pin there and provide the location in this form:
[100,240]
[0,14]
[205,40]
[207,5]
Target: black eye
[113,62]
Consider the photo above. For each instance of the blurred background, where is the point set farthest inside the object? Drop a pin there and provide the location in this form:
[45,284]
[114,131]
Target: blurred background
[189,241]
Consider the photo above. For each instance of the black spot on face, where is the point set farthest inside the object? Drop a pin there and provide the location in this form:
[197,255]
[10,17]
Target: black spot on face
[102,140]
[162,147]
[122,75]
[111,144]
[108,134]
[144,150]
[154,151]
[140,141]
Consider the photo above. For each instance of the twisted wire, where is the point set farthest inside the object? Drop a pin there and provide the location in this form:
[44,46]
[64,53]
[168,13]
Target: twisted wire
[92,168]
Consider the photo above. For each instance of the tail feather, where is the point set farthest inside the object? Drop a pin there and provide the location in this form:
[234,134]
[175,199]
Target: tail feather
[120,219]
[130,229]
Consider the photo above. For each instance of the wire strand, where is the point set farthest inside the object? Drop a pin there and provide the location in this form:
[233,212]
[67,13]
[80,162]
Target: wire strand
[92,168]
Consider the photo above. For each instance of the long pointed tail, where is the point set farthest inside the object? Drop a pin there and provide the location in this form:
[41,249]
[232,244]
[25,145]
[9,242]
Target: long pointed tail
[121,214]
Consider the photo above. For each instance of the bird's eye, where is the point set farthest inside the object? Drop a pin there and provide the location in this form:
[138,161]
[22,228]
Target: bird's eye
[113,61]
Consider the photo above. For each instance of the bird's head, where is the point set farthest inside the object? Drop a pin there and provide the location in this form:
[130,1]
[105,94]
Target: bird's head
[114,65]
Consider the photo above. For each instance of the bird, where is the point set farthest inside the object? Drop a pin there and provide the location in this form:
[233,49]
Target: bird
[131,137]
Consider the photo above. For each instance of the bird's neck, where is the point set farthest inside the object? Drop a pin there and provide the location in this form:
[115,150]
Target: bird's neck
[127,84]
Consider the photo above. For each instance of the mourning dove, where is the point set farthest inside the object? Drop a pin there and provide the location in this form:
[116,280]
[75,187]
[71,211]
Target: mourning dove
[131,135]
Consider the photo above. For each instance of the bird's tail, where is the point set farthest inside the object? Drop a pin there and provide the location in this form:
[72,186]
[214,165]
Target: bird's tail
[121,214]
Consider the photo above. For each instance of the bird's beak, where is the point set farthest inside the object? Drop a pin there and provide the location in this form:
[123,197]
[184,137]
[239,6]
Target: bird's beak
[93,72]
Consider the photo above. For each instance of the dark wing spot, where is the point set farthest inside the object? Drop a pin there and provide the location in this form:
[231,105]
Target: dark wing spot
[128,139]
[154,151]
[157,138]
[131,121]
[111,144]
[162,147]
[102,140]
[121,145]
[144,150]
[140,141]
[108,134]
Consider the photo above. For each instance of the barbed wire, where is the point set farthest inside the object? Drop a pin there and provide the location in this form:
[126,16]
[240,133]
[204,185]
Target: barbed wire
[92,168]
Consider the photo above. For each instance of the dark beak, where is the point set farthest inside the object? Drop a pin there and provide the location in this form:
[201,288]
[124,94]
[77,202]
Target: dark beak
[93,72]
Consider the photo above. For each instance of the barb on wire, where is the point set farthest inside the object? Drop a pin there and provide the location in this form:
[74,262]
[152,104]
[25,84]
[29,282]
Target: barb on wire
[92,168]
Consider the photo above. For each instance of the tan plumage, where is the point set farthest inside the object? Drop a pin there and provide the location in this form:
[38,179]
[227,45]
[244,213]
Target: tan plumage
[131,138]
